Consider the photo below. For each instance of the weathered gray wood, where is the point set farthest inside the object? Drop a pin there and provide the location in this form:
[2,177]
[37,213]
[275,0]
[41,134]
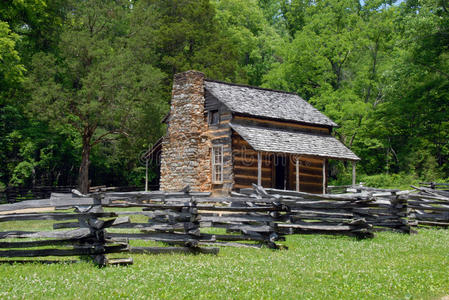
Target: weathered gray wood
[236,218]
[165,250]
[303,195]
[241,237]
[297,175]
[259,169]
[311,226]
[66,225]
[63,202]
[169,227]
[249,228]
[119,261]
[324,176]
[70,234]
[39,261]
[230,244]
[433,223]
[434,208]
[353,173]
[50,216]
[39,243]
[80,250]
[161,237]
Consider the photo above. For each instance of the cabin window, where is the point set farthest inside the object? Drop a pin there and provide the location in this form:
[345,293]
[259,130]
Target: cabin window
[214,117]
[217,164]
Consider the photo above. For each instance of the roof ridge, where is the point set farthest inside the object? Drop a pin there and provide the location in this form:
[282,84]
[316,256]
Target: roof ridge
[253,87]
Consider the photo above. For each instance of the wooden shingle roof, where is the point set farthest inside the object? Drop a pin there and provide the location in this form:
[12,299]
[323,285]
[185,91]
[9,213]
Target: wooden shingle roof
[293,141]
[266,103]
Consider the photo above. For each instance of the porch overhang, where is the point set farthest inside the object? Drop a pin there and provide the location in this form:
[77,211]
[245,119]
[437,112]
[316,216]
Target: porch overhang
[278,140]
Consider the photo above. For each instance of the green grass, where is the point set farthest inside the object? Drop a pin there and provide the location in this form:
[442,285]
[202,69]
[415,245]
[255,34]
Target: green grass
[390,266]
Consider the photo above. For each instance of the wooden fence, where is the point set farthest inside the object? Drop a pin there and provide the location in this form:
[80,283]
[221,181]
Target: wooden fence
[191,222]
[429,207]
[188,212]
[17,194]
[88,239]
[356,214]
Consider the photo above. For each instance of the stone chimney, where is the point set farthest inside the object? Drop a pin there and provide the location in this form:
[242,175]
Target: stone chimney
[185,158]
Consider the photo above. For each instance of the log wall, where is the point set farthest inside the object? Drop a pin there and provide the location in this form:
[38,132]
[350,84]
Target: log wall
[245,168]
[310,174]
[245,164]
[220,134]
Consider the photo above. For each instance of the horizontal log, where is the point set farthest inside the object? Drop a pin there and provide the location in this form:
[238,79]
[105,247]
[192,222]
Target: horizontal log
[317,227]
[232,218]
[70,234]
[433,223]
[80,250]
[169,227]
[428,203]
[231,244]
[165,250]
[175,238]
[433,208]
[68,201]
[52,216]
[39,261]
[29,244]
[119,261]
[325,212]
[250,228]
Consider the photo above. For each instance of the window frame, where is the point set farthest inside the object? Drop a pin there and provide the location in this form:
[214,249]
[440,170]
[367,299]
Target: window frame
[210,118]
[215,164]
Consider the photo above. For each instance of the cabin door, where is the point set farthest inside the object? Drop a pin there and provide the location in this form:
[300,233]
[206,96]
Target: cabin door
[280,172]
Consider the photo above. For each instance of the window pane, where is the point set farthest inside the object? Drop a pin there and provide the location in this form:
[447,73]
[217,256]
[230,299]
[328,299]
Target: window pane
[217,164]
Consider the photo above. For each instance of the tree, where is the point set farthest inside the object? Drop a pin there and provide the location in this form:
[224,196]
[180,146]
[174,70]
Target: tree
[96,83]
[414,118]
[253,38]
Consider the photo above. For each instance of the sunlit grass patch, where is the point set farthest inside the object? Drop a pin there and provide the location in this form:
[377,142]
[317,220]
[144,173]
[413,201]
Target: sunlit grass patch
[390,266]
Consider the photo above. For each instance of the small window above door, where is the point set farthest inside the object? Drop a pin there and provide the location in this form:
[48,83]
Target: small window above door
[213,117]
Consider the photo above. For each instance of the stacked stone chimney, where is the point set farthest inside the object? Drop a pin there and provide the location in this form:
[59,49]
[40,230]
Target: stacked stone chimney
[185,158]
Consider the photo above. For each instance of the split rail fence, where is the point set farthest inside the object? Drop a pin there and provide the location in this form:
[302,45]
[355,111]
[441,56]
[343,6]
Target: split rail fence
[89,239]
[195,222]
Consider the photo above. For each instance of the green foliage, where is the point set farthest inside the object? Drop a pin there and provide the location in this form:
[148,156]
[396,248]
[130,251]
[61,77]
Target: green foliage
[98,74]
[245,27]
[397,181]
[11,69]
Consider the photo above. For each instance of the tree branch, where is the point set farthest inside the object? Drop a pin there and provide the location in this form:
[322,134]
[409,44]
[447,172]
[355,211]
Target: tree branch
[102,137]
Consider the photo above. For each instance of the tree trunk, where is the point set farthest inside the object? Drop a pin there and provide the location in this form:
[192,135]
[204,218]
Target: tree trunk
[83,175]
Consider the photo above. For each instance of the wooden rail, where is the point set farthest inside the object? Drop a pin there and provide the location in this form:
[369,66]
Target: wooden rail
[88,239]
[191,222]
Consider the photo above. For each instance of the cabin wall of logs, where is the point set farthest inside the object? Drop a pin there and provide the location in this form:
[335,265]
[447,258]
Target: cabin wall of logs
[246,164]
[310,170]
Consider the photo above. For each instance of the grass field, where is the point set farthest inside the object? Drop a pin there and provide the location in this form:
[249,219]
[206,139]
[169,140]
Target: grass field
[390,266]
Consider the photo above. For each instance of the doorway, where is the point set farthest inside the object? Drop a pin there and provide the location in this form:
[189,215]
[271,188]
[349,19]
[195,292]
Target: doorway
[280,176]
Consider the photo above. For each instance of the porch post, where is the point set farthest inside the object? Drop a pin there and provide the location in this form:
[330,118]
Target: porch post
[353,173]
[324,176]
[146,175]
[297,174]
[259,169]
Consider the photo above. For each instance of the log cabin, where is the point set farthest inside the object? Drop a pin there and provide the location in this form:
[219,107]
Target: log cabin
[222,137]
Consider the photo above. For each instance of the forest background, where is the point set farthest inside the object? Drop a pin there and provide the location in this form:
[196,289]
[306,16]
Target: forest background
[85,84]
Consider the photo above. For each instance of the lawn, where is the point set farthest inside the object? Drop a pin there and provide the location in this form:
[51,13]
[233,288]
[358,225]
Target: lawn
[391,265]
